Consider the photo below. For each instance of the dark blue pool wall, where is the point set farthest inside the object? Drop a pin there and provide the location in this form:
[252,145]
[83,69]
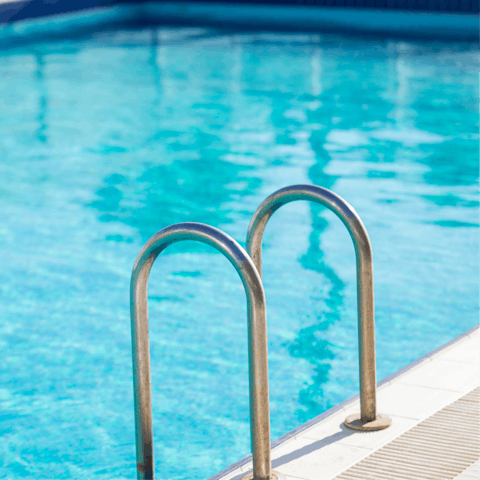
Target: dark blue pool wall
[14,11]
[458,6]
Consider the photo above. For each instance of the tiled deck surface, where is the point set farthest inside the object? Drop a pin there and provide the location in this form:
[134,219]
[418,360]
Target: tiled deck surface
[324,448]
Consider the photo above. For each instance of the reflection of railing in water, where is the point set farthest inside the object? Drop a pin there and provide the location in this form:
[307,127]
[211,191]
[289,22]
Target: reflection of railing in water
[312,342]
[43,98]
[257,344]
[368,419]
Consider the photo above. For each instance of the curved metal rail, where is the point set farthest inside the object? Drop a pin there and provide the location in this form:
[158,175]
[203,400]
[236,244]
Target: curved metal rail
[368,420]
[257,343]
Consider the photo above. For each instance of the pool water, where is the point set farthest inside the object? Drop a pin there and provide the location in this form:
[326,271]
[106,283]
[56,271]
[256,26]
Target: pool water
[108,137]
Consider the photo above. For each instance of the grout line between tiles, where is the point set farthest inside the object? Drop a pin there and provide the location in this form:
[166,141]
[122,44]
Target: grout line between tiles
[430,388]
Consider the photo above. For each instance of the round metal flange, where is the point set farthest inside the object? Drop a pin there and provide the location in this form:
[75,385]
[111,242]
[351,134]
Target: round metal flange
[274,476]
[355,423]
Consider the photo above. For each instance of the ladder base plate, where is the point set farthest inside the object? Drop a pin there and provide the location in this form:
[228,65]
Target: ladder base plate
[275,476]
[355,423]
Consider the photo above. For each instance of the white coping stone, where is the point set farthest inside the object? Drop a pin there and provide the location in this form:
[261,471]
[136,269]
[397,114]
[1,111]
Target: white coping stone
[327,448]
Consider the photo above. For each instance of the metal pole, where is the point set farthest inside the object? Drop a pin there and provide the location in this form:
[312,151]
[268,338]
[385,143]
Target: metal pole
[368,420]
[257,343]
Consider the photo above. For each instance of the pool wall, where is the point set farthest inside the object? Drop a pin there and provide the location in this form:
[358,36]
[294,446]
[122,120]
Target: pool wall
[22,21]
[14,10]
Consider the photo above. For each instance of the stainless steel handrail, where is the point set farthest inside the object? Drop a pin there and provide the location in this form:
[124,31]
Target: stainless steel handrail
[368,419]
[257,343]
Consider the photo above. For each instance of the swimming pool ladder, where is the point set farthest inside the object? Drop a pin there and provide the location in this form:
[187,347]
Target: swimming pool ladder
[257,344]
[369,419]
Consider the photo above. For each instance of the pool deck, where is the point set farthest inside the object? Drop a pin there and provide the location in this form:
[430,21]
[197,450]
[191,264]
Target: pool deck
[435,431]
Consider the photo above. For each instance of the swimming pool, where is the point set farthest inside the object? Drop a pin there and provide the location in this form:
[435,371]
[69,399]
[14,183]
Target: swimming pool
[108,137]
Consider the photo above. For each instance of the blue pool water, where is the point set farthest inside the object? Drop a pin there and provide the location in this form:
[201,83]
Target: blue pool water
[108,137]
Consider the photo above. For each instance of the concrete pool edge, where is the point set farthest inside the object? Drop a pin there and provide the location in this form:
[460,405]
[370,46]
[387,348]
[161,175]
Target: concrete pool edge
[348,403]
[401,24]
